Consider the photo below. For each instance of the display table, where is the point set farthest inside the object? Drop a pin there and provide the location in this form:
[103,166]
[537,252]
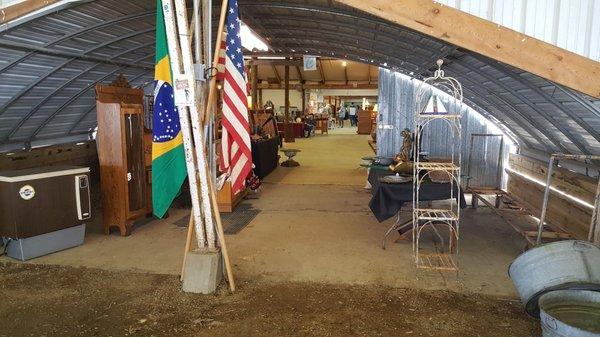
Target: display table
[264,156]
[388,199]
[298,129]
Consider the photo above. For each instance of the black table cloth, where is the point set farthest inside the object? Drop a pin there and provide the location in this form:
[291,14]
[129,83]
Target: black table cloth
[388,198]
[265,156]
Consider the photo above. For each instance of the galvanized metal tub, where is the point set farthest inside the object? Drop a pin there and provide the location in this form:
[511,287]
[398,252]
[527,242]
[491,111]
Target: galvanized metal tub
[570,313]
[554,266]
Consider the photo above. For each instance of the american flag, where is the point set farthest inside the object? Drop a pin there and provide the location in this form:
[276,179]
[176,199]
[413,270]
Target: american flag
[236,157]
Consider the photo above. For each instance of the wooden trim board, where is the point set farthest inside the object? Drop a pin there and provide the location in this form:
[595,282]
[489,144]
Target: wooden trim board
[489,39]
[22,8]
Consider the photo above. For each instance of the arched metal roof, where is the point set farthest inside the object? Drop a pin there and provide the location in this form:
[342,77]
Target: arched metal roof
[49,65]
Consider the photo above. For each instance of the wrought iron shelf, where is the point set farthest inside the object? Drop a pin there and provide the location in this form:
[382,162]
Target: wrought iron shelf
[443,262]
[437,166]
[433,214]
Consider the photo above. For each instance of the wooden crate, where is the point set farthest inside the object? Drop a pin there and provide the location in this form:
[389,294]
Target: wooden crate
[227,200]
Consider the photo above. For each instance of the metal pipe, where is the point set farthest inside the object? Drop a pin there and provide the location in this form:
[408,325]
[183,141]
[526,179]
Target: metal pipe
[545,204]
[594,233]
[469,162]
[53,52]
[196,18]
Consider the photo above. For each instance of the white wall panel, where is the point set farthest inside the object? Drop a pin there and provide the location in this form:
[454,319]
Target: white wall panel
[570,24]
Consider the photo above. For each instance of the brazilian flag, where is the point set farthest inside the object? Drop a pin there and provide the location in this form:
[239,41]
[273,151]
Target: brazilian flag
[168,157]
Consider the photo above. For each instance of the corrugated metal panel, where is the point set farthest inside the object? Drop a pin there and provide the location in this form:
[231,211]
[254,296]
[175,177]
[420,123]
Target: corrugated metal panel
[50,96]
[570,24]
[396,106]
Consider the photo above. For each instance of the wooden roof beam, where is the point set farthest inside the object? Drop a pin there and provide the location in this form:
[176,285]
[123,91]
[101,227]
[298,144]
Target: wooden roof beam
[23,8]
[276,74]
[489,39]
[299,74]
[321,70]
[346,74]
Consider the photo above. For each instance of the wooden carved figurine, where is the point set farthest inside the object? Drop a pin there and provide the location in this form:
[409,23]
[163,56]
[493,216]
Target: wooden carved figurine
[403,156]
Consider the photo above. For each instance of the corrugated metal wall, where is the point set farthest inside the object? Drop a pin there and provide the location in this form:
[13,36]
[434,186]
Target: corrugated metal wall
[570,24]
[396,97]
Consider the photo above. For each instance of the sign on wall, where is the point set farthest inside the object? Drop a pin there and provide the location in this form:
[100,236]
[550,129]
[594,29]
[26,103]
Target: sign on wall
[310,62]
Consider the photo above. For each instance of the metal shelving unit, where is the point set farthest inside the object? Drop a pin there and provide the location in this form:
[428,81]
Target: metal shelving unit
[430,107]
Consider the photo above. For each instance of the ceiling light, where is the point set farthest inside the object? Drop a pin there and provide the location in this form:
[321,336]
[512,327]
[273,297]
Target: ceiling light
[250,40]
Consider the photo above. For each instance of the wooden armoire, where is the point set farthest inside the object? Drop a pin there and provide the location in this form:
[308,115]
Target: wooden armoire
[124,172]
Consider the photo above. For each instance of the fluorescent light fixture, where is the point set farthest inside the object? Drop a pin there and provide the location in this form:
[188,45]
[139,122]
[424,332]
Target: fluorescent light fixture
[271,57]
[250,40]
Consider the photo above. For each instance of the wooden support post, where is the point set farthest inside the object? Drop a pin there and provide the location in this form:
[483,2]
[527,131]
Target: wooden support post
[303,101]
[254,84]
[288,127]
[261,104]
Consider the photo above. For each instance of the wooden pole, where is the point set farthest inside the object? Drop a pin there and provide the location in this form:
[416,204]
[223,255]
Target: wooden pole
[287,126]
[254,84]
[303,101]
[221,236]
[188,244]
[212,88]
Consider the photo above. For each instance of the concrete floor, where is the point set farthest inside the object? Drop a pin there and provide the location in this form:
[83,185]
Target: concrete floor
[315,225]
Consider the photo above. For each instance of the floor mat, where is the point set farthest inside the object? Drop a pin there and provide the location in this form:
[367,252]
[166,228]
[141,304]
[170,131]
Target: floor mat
[233,222]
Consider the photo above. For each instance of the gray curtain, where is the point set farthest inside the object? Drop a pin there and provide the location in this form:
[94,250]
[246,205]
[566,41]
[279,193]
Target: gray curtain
[396,97]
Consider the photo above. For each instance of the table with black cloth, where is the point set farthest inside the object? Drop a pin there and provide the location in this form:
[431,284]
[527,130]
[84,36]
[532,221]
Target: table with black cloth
[388,199]
[265,156]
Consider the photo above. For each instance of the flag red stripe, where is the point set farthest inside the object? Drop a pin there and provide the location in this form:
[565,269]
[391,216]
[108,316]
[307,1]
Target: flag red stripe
[241,94]
[236,137]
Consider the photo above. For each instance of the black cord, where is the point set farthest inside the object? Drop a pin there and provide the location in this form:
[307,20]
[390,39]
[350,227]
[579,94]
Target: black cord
[210,72]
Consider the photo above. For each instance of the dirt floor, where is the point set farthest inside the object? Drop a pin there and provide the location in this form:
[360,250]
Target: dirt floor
[40,300]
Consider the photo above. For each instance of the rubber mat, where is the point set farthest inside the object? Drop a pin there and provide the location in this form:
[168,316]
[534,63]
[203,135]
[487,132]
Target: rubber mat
[233,222]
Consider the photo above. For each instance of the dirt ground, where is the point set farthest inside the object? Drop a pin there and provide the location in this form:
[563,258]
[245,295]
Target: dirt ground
[41,300]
